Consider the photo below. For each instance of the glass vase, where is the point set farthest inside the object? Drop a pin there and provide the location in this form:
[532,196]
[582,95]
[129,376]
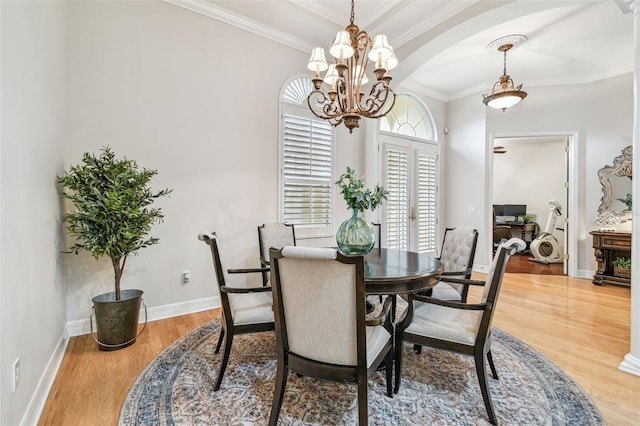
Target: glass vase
[355,235]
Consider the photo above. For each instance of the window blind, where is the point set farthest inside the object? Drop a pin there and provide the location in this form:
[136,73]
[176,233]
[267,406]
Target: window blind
[426,196]
[397,205]
[307,161]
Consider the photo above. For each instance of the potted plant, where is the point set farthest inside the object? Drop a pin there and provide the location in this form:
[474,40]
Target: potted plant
[526,218]
[355,235]
[112,217]
[622,267]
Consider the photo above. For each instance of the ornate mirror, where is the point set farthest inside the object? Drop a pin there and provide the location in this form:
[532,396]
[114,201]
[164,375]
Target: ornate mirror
[616,182]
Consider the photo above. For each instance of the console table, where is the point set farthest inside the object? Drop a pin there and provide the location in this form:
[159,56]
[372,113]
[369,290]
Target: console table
[609,245]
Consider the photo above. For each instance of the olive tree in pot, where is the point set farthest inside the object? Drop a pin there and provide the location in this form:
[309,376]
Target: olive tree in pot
[113,216]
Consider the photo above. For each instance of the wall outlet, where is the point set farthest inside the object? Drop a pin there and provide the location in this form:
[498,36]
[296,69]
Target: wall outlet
[16,374]
[186,277]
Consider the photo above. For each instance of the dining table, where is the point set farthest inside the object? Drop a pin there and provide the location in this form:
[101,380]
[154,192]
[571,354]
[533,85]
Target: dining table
[394,272]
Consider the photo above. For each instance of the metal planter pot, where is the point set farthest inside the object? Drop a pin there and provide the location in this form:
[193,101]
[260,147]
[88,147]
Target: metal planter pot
[117,320]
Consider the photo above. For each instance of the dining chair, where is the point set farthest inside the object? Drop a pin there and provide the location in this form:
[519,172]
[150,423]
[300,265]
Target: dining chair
[276,235]
[244,309]
[459,327]
[321,325]
[457,254]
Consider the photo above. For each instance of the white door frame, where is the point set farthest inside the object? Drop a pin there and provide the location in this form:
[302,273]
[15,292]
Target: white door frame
[571,236]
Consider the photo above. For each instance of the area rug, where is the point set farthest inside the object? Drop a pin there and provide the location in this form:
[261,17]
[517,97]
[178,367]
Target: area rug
[438,388]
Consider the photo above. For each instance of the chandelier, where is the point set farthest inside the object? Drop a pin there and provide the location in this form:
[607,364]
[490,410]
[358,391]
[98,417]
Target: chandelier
[504,93]
[343,99]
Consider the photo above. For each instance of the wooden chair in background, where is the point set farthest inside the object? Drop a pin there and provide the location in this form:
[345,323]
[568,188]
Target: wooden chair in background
[244,310]
[459,327]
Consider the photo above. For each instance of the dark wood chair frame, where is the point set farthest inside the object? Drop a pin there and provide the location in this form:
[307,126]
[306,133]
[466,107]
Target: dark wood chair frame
[263,256]
[359,373]
[481,350]
[228,328]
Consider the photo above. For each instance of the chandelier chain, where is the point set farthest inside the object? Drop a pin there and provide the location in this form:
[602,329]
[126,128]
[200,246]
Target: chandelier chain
[504,70]
[352,11]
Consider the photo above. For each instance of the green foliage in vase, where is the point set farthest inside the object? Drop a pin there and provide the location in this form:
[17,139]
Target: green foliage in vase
[627,201]
[113,214]
[356,195]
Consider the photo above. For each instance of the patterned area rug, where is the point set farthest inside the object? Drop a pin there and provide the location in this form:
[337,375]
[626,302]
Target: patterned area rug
[438,388]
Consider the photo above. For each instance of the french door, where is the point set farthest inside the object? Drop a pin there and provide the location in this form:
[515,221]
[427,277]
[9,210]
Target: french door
[410,174]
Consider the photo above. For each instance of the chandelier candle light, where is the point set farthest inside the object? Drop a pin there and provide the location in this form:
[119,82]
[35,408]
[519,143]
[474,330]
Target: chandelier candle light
[504,93]
[344,101]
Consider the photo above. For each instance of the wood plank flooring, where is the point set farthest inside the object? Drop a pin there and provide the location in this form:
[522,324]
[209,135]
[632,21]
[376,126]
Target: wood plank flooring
[520,264]
[581,327]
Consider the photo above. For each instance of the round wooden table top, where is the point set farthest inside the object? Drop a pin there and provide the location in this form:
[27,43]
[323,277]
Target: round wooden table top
[390,271]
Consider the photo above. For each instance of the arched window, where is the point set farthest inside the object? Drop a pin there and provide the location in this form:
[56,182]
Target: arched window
[306,163]
[410,162]
[409,117]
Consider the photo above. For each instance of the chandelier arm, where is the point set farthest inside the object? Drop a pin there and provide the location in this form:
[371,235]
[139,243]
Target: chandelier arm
[345,101]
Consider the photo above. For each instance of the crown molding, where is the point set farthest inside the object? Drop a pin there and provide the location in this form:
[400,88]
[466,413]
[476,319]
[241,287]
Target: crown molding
[213,11]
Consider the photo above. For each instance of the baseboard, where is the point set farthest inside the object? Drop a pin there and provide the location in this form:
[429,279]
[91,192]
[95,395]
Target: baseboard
[40,395]
[80,327]
[583,273]
[630,364]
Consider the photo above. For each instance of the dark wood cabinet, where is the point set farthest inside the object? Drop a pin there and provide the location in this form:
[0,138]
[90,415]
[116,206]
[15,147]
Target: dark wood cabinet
[609,245]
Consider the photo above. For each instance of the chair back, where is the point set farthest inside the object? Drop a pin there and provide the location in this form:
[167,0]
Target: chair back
[494,281]
[211,240]
[459,249]
[319,304]
[378,230]
[457,254]
[275,235]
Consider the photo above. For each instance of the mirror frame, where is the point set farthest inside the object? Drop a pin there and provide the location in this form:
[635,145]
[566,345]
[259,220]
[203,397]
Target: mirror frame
[622,166]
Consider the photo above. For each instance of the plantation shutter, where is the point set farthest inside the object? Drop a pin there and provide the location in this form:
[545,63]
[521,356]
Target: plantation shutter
[426,200]
[396,161]
[307,164]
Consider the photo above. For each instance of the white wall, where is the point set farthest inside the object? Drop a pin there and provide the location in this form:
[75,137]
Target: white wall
[197,100]
[464,171]
[33,87]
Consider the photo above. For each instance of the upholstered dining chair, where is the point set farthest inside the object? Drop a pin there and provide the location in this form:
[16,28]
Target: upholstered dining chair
[459,327]
[276,235]
[321,325]
[457,254]
[244,309]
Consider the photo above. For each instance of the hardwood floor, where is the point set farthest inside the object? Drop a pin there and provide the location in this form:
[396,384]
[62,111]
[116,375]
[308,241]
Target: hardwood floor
[521,264]
[583,328]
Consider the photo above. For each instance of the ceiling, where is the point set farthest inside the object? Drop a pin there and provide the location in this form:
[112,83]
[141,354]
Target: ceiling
[442,45]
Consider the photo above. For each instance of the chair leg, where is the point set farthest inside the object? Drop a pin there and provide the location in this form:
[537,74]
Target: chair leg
[219,341]
[492,365]
[363,403]
[398,361]
[278,393]
[484,386]
[417,348]
[225,358]
[389,372]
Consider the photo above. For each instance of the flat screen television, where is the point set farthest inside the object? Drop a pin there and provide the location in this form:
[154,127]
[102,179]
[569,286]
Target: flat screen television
[515,210]
[499,209]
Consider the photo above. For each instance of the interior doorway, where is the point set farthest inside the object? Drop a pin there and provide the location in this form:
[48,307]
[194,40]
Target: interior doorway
[531,182]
